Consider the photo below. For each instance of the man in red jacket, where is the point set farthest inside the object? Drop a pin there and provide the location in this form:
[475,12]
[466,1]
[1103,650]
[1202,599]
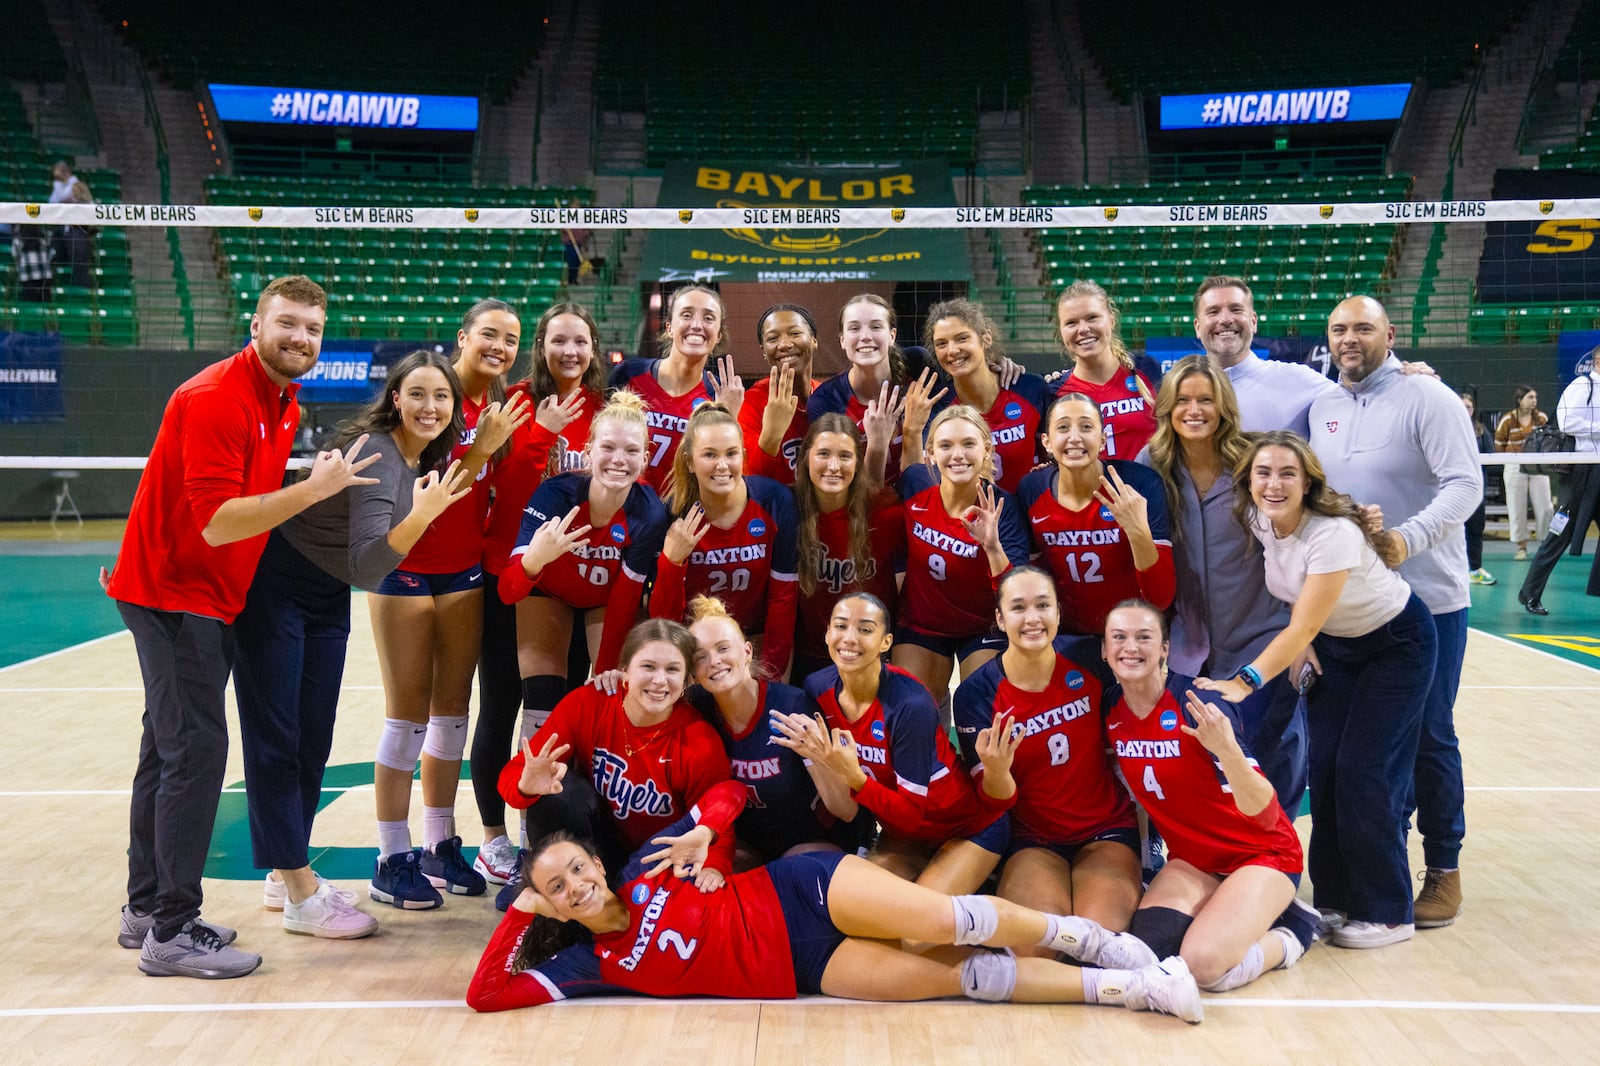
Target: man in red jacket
[210,493]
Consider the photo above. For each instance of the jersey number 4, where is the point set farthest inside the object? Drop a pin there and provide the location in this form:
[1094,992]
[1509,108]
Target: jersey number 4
[1151,785]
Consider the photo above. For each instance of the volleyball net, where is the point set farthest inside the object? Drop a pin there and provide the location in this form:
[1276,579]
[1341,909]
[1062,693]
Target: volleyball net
[401,276]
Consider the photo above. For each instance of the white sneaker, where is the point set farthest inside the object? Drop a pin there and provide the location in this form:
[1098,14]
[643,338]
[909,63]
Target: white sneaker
[1168,987]
[329,914]
[1371,934]
[1124,951]
[497,860]
[275,893]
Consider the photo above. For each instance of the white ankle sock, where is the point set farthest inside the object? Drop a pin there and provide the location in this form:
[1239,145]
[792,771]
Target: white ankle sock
[438,823]
[394,837]
[1106,986]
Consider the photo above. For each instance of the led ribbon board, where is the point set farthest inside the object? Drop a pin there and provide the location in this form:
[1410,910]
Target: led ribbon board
[1288,107]
[334,107]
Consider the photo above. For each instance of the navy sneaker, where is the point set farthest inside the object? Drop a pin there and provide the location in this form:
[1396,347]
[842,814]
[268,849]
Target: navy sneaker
[513,886]
[398,879]
[445,867]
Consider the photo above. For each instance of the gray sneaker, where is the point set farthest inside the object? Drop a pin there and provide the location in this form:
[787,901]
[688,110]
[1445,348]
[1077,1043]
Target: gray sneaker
[135,925]
[197,951]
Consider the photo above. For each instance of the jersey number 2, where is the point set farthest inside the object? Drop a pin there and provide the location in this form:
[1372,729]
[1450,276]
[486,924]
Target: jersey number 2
[674,939]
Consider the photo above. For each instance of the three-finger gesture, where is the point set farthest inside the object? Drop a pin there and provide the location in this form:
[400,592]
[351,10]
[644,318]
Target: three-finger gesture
[1127,505]
[920,402]
[883,414]
[727,387]
[551,541]
[333,471]
[556,414]
[686,857]
[684,534]
[434,491]
[1213,729]
[542,772]
[499,420]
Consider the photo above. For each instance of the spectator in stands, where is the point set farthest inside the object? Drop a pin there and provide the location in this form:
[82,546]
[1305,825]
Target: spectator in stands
[32,251]
[1522,487]
[74,245]
[208,497]
[1271,394]
[1404,443]
[1474,527]
[1577,413]
[63,179]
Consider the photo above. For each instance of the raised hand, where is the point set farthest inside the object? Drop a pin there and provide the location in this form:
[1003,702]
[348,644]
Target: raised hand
[1008,372]
[882,415]
[608,681]
[556,414]
[1213,729]
[683,854]
[499,420]
[997,745]
[920,402]
[806,736]
[1126,504]
[542,773]
[982,519]
[727,388]
[684,534]
[334,471]
[434,492]
[551,541]
[781,406]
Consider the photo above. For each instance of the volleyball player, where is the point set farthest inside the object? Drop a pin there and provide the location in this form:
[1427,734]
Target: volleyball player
[734,538]
[673,385]
[208,496]
[295,629]
[1099,525]
[880,736]
[961,534]
[962,338]
[644,756]
[427,622]
[565,387]
[877,375]
[1074,846]
[1103,370]
[791,807]
[1225,900]
[819,922]
[848,537]
[773,415]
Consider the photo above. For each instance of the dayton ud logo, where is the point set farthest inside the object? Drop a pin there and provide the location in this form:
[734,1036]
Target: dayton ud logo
[1331,427]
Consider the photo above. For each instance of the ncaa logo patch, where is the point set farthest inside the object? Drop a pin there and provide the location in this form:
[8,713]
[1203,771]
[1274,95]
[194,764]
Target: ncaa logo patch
[618,533]
[640,893]
[1169,720]
[1013,410]
[1074,679]
[1106,515]
[697,401]
[757,527]
[877,730]
[1131,383]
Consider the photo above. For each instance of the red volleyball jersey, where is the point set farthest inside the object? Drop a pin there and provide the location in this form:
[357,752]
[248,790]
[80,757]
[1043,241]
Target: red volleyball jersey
[1087,552]
[454,540]
[750,566]
[948,590]
[780,467]
[1066,792]
[835,571]
[679,941]
[1130,419]
[667,418]
[1183,790]
[1014,422]
[650,777]
[916,784]
[536,453]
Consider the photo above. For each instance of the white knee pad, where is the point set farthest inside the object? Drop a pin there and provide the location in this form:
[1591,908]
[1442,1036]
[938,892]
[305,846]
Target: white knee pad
[989,976]
[399,744]
[532,721]
[976,919]
[447,738]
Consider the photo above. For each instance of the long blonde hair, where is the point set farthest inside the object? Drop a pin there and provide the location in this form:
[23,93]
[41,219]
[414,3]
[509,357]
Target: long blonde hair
[685,488]
[1229,441]
[1084,288]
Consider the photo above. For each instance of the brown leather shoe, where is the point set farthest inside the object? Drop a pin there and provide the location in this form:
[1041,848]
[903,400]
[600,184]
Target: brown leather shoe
[1439,902]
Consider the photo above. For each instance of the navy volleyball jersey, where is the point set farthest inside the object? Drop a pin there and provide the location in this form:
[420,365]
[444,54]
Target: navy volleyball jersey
[837,396]
[782,808]
[750,566]
[668,416]
[949,591]
[610,568]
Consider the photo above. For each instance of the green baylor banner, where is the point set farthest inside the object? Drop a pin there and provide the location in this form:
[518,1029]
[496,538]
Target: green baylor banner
[774,196]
